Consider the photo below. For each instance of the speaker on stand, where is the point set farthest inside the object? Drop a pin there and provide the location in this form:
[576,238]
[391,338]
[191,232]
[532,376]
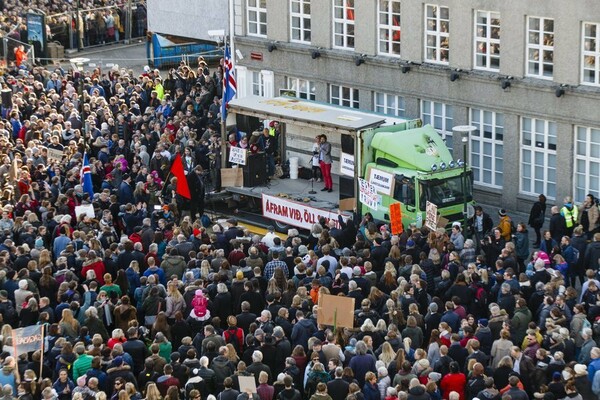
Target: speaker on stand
[6,98]
[255,170]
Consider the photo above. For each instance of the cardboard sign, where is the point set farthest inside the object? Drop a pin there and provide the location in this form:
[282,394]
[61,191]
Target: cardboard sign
[442,222]
[237,155]
[347,164]
[431,216]
[383,181]
[367,195]
[396,218]
[87,209]
[247,384]
[294,213]
[232,177]
[348,204]
[55,155]
[337,311]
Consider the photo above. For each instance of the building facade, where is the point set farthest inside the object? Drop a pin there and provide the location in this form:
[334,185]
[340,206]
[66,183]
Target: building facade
[525,73]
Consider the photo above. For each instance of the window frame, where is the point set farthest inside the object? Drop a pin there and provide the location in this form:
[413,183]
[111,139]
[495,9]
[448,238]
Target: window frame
[389,29]
[487,40]
[428,112]
[353,100]
[302,18]
[493,142]
[588,54]
[260,85]
[259,11]
[398,111]
[535,149]
[296,84]
[345,24]
[587,159]
[541,47]
[437,34]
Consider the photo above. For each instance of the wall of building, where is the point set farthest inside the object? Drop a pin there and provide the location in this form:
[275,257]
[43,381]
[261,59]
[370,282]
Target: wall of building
[526,97]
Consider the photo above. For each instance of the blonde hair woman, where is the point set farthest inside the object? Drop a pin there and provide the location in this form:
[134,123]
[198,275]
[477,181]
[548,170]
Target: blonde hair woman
[175,301]
[152,392]
[387,354]
[68,324]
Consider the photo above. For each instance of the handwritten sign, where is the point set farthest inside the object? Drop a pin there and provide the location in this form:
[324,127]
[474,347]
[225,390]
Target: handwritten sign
[347,164]
[55,155]
[396,218]
[431,217]
[367,194]
[237,155]
[87,209]
[247,384]
[294,213]
[382,181]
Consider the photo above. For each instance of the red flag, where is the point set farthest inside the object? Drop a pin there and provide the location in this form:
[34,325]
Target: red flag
[177,170]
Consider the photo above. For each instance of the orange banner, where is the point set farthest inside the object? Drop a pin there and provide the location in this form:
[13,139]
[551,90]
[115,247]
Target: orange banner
[396,219]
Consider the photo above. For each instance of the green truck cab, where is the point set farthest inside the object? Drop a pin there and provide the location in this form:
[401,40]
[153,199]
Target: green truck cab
[420,169]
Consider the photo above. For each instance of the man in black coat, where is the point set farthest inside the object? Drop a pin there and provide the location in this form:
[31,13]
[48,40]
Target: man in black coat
[197,191]
[457,352]
[245,318]
[283,349]
[136,349]
[338,388]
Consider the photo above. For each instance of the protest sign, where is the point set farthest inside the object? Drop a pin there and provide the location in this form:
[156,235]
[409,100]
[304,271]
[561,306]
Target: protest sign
[367,194]
[336,311]
[232,177]
[347,164]
[396,218]
[431,217]
[382,181]
[87,209]
[294,213]
[247,384]
[55,155]
[237,155]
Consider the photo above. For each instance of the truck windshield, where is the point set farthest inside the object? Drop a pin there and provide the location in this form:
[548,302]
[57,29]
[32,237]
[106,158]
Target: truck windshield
[445,192]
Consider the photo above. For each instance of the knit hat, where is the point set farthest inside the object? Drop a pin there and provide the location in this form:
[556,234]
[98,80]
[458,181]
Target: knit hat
[483,322]
[410,243]
[502,212]
[435,376]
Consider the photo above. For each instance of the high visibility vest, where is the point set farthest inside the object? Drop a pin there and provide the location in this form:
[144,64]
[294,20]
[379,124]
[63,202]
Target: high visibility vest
[570,215]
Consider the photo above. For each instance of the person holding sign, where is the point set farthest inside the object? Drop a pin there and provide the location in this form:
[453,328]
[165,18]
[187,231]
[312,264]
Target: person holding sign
[325,162]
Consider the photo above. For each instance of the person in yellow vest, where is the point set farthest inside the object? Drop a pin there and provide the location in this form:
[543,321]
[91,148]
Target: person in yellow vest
[505,225]
[570,213]
[160,90]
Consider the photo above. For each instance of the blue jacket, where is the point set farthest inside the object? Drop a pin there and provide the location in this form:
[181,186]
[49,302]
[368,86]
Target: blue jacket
[452,319]
[592,368]
[371,392]
[125,194]
[301,332]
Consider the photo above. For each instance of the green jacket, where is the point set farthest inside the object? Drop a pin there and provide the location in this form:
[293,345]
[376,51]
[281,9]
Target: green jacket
[81,366]
[519,323]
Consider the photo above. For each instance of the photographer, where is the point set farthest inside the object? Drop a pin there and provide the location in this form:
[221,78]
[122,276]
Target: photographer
[493,244]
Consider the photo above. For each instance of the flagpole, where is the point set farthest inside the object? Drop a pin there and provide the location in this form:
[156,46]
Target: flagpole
[42,352]
[224,108]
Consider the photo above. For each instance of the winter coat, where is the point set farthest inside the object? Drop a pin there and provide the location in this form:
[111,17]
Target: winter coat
[371,392]
[520,322]
[173,265]
[418,393]
[453,382]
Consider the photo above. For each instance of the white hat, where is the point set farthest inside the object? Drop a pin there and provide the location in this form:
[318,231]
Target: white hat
[580,369]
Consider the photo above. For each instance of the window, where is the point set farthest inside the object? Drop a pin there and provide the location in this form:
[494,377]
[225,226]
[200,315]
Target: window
[587,162]
[486,147]
[389,104]
[437,33]
[300,21]
[540,47]
[591,54]
[343,96]
[262,83]
[538,157]
[256,15]
[343,24]
[304,89]
[487,40]
[438,115]
[389,27]
[258,87]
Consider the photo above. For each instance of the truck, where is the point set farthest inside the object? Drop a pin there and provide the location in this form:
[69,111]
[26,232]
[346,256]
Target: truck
[401,160]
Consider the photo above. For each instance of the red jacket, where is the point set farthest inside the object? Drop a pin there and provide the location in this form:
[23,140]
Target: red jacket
[453,383]
[98,267]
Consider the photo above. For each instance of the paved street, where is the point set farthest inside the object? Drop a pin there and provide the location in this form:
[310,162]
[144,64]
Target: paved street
[131,56]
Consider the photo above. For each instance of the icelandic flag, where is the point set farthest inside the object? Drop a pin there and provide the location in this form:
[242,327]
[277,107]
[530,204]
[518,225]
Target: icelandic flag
[229,84]
[86,177]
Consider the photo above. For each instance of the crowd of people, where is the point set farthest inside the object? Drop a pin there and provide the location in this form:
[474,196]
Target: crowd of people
[147,298]
[99,22]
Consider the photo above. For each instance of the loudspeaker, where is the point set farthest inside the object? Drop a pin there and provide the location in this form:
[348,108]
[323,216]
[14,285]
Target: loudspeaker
[255,170]
[6,98]
[347,183]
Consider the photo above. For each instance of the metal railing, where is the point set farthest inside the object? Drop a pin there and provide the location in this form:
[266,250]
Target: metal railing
[8,50]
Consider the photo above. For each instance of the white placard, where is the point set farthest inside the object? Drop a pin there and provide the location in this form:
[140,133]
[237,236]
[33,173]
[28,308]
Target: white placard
[347,164]
[55,155]
[431,216]
[237,155]
[367,194]
[293,213]
[87,209]
[383,181]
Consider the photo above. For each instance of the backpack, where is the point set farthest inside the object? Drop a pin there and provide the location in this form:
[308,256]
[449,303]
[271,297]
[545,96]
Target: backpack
[480,296]
[231,336]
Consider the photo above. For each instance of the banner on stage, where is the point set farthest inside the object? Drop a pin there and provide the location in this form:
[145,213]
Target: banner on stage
[293,213]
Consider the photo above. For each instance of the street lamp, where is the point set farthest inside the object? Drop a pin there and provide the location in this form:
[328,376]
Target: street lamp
[465,131]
